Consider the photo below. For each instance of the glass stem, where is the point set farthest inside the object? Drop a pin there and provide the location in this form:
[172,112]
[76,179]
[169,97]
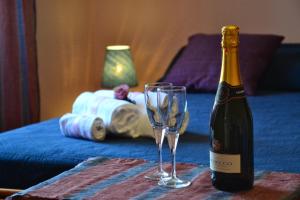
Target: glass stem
[173,173]
[159,135]
[160,168]
[173,140]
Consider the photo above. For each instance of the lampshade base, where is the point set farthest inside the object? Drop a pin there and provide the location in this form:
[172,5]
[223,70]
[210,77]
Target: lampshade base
[115,84]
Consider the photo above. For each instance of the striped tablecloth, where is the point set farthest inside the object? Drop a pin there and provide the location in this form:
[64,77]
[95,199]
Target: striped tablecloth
[102,178]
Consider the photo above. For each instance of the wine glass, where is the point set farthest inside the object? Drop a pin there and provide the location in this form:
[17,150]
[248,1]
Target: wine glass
[172,106]
[150,94]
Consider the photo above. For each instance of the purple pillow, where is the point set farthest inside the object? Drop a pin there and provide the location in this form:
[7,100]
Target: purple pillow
[198,66]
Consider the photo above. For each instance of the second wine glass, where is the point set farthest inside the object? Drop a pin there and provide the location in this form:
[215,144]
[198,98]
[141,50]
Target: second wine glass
[172,106]
[150,93]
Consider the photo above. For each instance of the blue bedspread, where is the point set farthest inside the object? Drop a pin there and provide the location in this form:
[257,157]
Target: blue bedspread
[37,152]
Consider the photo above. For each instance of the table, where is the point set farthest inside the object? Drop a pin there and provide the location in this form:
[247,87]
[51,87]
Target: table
[103,178]
[4,192]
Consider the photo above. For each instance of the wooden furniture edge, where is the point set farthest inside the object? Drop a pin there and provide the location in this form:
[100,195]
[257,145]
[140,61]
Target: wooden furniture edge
[5,192]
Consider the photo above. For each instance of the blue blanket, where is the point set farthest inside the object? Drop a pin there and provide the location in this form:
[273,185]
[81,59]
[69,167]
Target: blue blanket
[34,153]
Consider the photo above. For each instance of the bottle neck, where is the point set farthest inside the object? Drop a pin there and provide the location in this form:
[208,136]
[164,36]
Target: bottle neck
[230,72]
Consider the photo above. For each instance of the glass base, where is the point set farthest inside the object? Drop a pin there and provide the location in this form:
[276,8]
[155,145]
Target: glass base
[174,182]
[156,176]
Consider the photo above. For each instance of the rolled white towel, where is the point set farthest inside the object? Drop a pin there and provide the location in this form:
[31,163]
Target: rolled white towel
[143,128]
[83,126]
[105,93]
[119,117]
[80,105]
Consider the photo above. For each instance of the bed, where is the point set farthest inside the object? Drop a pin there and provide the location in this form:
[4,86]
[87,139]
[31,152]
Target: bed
[34,153]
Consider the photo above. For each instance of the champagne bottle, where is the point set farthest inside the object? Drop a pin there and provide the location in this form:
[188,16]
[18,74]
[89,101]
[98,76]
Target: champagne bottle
[231,127]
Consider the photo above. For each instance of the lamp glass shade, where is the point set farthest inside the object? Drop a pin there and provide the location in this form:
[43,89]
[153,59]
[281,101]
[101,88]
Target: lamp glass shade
[118,67]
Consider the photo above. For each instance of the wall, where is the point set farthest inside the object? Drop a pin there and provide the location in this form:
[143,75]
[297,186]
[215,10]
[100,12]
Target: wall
[72,35]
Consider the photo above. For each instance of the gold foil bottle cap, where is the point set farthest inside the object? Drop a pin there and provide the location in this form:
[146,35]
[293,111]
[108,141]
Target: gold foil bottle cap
[230,36]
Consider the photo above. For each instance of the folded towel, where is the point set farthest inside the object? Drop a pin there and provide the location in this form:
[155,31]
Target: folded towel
[143,128]
[119,117]
[83,126]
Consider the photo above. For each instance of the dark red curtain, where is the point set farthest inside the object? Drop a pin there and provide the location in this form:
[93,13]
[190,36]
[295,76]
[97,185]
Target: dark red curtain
[19,90]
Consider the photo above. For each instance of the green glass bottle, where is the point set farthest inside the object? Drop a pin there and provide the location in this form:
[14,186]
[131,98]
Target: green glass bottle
[231,126]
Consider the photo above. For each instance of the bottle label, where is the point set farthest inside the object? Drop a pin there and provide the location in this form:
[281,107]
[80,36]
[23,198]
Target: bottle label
[227,92]
[226,163]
